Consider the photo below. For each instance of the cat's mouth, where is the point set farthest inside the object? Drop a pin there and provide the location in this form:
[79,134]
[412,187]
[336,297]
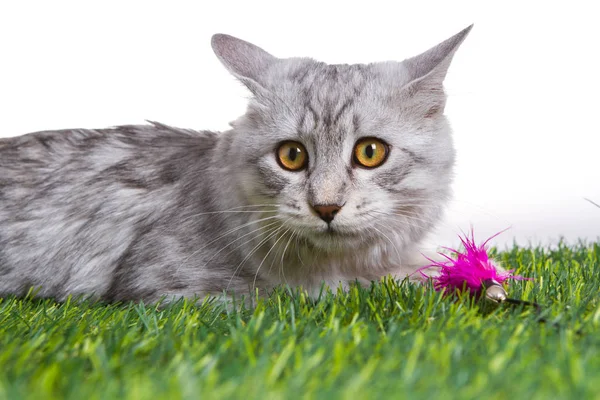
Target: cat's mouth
[332,234]
[331,237]
[335,238]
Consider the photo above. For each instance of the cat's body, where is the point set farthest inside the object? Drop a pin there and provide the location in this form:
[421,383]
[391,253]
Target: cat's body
[141,212]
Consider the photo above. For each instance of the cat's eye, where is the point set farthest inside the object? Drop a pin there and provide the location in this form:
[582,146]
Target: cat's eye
[370,152]
[292,156]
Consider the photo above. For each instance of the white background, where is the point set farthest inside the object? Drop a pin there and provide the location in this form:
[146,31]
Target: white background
[523,89]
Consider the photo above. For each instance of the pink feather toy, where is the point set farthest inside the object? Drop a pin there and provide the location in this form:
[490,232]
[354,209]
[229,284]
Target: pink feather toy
[470,270]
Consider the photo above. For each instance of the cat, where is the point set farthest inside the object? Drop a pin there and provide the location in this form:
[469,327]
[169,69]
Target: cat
[333,175]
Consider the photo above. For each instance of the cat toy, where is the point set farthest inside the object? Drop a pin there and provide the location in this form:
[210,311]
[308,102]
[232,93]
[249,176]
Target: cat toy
[472,270]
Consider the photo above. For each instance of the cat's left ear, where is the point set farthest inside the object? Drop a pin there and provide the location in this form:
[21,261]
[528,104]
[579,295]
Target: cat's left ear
[426,73]
[432,65]
[244,60]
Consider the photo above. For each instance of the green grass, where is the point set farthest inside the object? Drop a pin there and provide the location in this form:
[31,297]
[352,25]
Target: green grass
[392,339]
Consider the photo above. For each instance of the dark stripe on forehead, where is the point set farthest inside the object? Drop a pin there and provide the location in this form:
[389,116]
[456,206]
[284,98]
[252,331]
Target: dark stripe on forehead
[341,111]
[327,111]
[329,117]
[314,114]
[355,123]
[300,127]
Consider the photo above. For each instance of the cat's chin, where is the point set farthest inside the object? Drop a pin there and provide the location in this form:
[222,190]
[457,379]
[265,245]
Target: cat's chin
[336,241]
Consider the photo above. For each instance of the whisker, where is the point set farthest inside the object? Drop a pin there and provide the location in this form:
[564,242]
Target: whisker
[283,255]
[206,262]
[256,205]
[419,222]
[241,227]
[298,250]
[454,209]
[237,212]
[269,233]
[221,236]
[232,212]
[404,213]
[274,232]
[265,257]
[428,203]
[270,229]
[412,218]
[389,240]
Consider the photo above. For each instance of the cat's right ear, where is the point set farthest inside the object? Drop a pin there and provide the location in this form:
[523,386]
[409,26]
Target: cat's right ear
[244,60]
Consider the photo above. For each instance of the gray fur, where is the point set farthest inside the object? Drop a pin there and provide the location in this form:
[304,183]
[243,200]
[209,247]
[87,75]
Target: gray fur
[141,212]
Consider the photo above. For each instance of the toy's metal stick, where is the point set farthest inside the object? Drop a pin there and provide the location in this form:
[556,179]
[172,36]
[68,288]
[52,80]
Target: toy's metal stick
[495,292]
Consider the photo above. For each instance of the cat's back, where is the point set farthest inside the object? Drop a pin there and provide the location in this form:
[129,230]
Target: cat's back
[47,147]
[31,163]
[73,201]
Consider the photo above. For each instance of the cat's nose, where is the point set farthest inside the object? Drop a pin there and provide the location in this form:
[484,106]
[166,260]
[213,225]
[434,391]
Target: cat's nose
[327,212]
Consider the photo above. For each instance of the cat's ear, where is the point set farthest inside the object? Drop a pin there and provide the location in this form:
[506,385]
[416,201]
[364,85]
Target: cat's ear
[244,60]
[433,64]
[426,73]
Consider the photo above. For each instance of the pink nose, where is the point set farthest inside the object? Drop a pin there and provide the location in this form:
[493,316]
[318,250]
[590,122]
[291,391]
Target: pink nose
[327,212]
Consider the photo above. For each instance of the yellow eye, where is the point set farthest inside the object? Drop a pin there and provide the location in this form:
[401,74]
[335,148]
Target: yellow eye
[292,156]
[370,152]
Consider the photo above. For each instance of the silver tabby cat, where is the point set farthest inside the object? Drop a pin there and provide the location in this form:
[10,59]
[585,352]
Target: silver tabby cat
[334,174]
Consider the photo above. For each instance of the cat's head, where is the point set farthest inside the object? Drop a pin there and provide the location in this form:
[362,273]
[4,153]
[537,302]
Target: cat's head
[349,153]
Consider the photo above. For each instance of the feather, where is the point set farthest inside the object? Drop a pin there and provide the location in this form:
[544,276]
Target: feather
[471,269]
